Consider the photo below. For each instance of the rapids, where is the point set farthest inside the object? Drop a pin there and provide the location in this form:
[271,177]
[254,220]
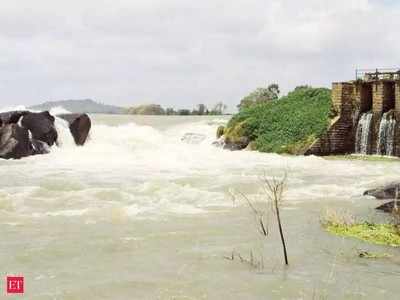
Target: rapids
[138,214]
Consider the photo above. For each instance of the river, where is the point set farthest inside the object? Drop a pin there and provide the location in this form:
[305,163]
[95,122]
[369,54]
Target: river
[139,214]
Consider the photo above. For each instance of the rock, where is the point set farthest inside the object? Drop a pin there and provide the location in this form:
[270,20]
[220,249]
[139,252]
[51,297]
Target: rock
[24,133]
[237,144]
[388,207]
[41,125]
[384,192]
[39,147]
[14,142]
[11,117]
[220,131]
[79,125]
[235,137]
[193,138]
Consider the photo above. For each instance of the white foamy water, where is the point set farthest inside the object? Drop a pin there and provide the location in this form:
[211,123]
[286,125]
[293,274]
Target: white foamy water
[139,214]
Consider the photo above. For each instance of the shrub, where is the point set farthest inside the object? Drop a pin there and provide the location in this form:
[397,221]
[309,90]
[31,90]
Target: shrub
[288,125]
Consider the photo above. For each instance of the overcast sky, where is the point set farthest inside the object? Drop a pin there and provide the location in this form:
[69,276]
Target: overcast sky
[181,52]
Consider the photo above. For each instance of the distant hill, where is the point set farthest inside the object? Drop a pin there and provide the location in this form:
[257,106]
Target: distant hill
[81,106]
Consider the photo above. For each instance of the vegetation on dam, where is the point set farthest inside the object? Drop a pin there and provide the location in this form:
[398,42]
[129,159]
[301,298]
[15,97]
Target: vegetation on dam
[287,125]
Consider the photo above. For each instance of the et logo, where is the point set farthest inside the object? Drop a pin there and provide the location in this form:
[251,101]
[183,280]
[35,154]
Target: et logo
[15,285]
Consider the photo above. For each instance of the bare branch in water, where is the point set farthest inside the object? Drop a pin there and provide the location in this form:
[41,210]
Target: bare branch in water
[274,189]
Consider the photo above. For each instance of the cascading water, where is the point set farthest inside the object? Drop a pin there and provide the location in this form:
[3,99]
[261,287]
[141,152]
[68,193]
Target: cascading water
[385,143]
[363,133]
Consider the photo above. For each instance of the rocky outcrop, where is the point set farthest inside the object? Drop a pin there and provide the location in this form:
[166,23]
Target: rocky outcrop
[24,133]
[388,192]
[388,207]
[11,117]
[384,192]
[235,137]
[14,142]
[79,125]
[41,125]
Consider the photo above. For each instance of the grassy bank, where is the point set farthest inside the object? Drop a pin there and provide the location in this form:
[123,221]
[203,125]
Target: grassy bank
[343,224]
[287,125]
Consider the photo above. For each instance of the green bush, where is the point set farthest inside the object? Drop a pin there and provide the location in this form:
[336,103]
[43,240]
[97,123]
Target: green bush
[287,125]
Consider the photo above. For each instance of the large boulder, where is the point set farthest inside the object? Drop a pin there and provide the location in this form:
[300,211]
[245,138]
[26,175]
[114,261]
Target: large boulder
[24,133]
[384,192]
[14,142]
[11,117]
[41,125]
[79,125]
[388,207]
[389,191]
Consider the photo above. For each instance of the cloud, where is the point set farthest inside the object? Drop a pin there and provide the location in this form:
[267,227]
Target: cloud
[181,53]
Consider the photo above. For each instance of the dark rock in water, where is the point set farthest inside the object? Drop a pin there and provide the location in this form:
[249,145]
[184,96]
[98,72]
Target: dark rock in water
[239,144]
[388,207]
[11,117]
[79,125]
[39,147]
[41,125]
[24,133]
[193,138]
[14,142]
[384,192]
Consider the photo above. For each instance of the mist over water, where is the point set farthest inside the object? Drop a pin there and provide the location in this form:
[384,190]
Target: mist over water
[137,213]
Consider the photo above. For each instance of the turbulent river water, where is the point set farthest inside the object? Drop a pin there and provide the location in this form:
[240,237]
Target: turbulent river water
[138,214]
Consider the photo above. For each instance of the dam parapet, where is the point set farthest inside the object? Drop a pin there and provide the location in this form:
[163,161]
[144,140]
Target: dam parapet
[366,116]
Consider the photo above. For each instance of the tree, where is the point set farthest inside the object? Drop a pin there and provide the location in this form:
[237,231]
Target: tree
[184,112]
[170,111]
[302,87]
[201,110]
[260,95]
[274,191]
[218,109]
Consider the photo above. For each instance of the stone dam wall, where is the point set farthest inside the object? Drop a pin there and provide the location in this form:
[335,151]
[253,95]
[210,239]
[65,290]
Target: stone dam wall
[380,99]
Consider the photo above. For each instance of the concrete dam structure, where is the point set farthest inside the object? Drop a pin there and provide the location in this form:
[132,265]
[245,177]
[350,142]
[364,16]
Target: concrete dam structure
[366,116]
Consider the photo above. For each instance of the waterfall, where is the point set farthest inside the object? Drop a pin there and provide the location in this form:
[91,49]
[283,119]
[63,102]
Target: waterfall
[385,143]
[363,133]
